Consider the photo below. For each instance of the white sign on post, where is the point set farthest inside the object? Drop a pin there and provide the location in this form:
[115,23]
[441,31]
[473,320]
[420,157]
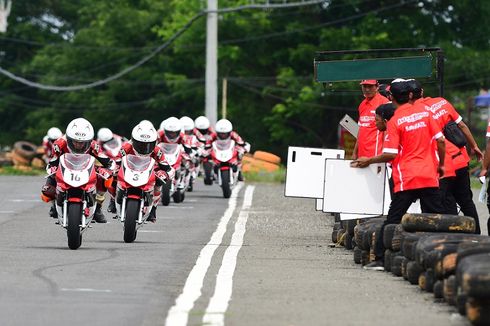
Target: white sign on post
[305,171]
[354,190]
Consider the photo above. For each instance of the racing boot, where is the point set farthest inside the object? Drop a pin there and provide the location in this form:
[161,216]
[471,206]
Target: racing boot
[240,176]
[98,215]
[52,211]
[112,206]
[153,215]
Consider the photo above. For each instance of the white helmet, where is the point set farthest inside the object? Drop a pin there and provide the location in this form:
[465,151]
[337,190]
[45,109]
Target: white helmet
[162,124]
[202,123]
[54,133]
[104,135]
[147,123]
[223,129]
[79,135]
[144,138]
[187,124]
[172,129]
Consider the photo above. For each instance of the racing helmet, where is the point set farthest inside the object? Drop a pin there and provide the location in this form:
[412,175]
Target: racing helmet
[104,135]
[54,133]
[172,129]
[79,136]
[187,125]
[202,124]
[144,138]
[224,129]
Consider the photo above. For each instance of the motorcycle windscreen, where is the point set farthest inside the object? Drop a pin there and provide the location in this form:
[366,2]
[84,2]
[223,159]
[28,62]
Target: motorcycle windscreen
[354,190]
[305,172]
[113,146]
[138,163]
[77,162]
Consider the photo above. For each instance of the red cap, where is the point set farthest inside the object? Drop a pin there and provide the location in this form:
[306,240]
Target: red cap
[369,82]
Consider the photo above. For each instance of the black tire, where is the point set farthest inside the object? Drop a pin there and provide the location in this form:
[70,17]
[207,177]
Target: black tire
[349,225]
[396,265]
[429,280]
[472,276]
[387,260]
[340,237]
[449,290]
[357,255]
[478,311]
[208,176]
[404,268]
[336,226]
[225,183]
[25,149]
[348,241]
[73,227]
[130,219]
[166,194]
[178,196]
[334,236]
[413,272]
[364,257]
[388,234]
[190,187]
[426,222]
[438,289]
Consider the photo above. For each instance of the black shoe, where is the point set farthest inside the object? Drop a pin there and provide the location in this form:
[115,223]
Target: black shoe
[52,212]
[112,206]
[98,215]
[153,215]
[240,176]
[377,265]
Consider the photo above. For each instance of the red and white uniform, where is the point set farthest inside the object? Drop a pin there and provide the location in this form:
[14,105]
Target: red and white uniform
[410,133]
[204,138]
[443,112]
[60,147]
[369,139]
[48,148]
[157,155]
[235,136]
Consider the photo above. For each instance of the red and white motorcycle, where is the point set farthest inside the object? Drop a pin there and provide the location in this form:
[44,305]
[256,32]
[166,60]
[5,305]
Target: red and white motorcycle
[134,195]
[176,157]
[76,179]
[225,158]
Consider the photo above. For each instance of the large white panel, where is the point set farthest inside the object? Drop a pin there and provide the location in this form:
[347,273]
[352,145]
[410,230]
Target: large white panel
[319,204]
[345,217]
[354,190]
[305,170]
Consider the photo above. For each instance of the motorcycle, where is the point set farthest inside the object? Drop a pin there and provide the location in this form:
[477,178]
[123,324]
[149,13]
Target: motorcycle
[76,179]
[194,162]
[112,148]
[175,156]
[134,195]
[225,158]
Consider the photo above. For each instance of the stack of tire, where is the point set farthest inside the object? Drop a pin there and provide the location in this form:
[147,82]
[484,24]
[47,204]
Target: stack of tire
[441,255]
[364,234]
[26,154]
[261,161]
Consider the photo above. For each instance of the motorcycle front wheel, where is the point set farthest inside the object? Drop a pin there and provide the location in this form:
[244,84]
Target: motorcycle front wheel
[208,177]
[73,228]
[225,183]
[166,194]
[132,212]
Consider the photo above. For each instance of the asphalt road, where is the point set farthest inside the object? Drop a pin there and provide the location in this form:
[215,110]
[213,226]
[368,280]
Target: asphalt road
[206,261]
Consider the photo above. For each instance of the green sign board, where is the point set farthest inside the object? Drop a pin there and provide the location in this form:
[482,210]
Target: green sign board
[381,68]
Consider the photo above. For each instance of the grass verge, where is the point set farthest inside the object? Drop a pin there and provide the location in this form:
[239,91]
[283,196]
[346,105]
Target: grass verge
[10,170]
[278,176]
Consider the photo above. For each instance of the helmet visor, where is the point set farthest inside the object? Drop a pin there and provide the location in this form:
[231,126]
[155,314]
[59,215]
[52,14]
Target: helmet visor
[223,135]
[143,148]
[172,135]
[78,146]
[203,131]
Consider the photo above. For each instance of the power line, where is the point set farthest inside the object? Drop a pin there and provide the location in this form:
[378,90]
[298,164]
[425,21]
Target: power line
[155,51]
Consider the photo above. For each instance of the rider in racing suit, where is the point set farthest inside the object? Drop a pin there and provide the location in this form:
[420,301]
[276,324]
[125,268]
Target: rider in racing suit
[78,139]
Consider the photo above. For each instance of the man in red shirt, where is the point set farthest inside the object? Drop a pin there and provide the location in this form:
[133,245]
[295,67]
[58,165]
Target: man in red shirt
[369,140]
[455,185]
[416,170]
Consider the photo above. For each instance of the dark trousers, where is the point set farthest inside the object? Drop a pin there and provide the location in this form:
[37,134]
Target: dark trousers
[464,197]
[446,187]
[430,202]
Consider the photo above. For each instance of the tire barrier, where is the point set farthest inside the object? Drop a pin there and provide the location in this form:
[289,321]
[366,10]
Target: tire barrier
[25,150]
[261,161]
[437,252]
[267,157]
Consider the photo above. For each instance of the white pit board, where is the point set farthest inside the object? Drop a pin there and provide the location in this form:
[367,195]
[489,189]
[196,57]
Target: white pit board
[305,170]
[354,190]
[319,204]
[350,125]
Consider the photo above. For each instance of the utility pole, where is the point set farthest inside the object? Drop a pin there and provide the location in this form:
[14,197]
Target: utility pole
[211,100]
[224,98]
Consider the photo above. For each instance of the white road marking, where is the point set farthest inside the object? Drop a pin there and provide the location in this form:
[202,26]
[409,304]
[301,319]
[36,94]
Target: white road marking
[21,200]
[85,290]
[178,314]
[215,312]
[150,231]
[7,212]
